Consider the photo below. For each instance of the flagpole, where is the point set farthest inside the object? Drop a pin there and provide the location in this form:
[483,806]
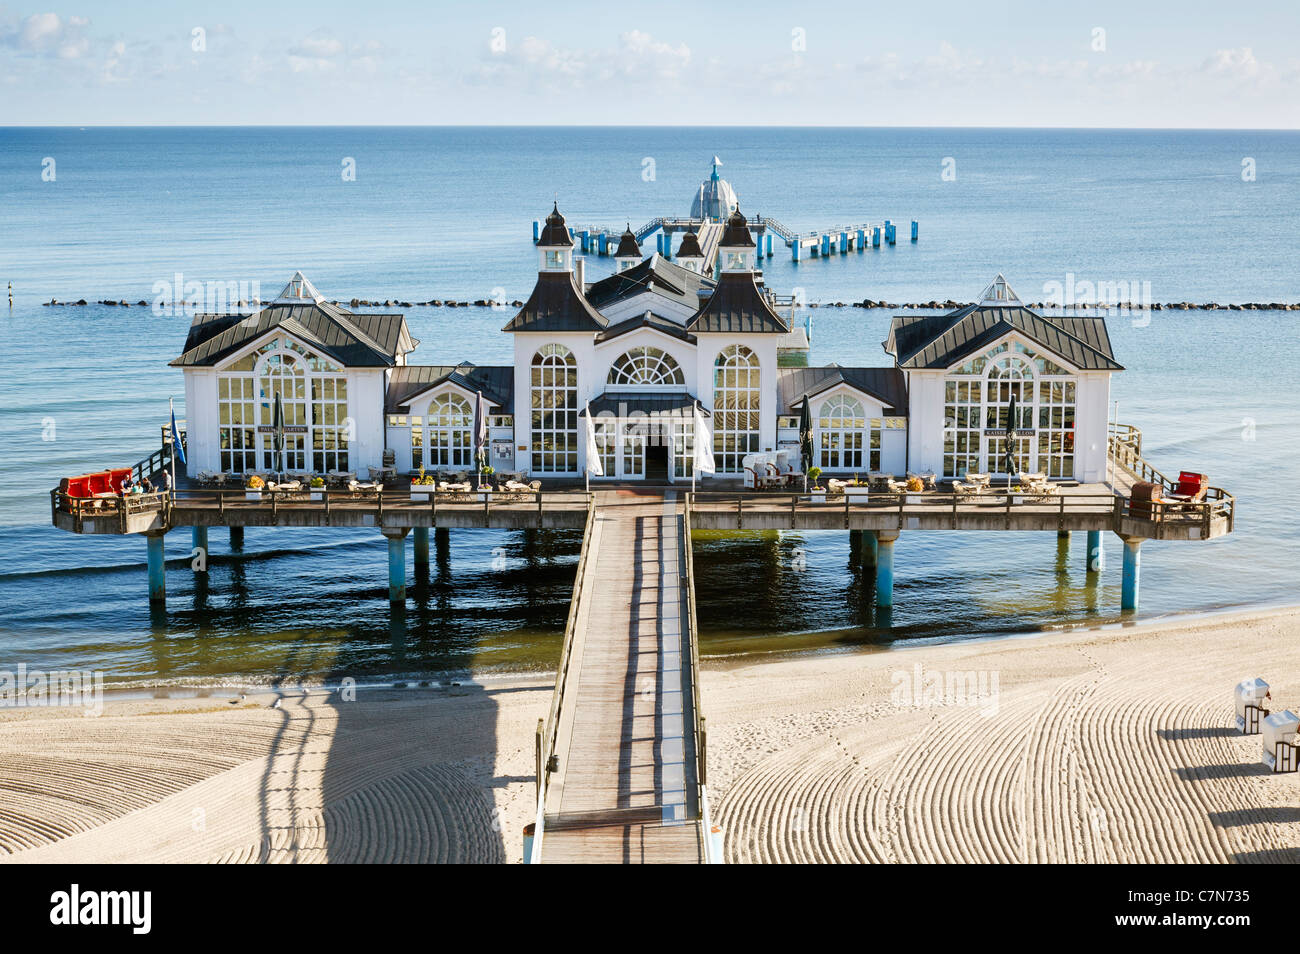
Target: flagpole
[171,430]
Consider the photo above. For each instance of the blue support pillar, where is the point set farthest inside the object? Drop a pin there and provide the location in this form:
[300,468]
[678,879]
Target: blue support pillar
[769,244]
[537,233]
[915,230]
[199,541]
[1132,573]
[794,250]
[396,565]
[875,237]
[844,243]
[668,246]
[420,540]
[885,567]
[862,239]
[157,568]
[1096,553]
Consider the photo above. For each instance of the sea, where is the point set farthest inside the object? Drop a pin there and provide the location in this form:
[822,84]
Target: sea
[415,214]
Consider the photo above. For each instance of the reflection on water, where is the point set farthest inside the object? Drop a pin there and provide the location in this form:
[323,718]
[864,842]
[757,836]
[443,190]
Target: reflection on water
[496,601]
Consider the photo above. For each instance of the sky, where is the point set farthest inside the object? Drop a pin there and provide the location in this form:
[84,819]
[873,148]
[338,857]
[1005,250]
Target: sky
[1138,63]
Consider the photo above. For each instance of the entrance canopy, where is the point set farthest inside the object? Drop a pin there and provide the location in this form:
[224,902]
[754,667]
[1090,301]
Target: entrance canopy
[624,404]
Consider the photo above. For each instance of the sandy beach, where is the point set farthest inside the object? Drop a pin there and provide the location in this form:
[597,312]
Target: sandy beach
[1096,746]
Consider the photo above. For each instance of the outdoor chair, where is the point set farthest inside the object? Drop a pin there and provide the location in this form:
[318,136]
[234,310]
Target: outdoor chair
[1191,488]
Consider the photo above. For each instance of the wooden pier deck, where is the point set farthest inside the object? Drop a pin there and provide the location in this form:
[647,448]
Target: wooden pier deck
[626,783]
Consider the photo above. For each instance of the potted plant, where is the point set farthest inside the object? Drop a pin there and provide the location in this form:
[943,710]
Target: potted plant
[815,490]
[317,485]
[915,488]
[857,488]
[421,485]
[485,473]
[253,489]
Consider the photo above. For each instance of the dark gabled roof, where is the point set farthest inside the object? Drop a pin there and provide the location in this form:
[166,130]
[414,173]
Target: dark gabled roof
[556,304]
[627,247]
[354,341]
[737,306]
[690,246]
[886,385]
[737,232]
[497,382]
[940,341]
[555,232]
[622,403]
[648,320]
[655,274]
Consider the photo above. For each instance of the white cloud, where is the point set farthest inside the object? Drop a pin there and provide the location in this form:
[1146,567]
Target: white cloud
[48,34]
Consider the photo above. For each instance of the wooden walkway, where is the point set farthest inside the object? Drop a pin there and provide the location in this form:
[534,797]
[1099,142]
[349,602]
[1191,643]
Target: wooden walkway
[625,790]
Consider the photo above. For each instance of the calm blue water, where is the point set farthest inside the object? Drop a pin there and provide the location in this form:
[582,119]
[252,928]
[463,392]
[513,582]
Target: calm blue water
[446,213]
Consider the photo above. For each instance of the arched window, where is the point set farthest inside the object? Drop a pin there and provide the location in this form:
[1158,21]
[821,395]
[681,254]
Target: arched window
[646,366]
[977,410]
[843,436]
[313,396]
[447,437]
[737,394]
[554,405]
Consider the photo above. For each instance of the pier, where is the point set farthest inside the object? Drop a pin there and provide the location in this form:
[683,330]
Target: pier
[620,759]
[714,202]
[397,509]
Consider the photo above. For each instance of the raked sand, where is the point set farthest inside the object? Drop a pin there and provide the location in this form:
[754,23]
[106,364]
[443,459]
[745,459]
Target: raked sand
[1098,746]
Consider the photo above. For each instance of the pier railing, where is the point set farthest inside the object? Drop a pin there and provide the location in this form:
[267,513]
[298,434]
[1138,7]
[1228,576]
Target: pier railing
[995,509]
[690,628]
[312,506]
[548,729]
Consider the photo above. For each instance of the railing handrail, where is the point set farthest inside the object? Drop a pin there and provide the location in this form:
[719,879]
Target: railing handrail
[699,726]
[552,724]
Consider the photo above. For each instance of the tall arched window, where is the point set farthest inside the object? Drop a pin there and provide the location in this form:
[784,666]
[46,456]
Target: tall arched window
[841,425]
[648,366]
[554,405]
[737,393]
[313,395]
[977,411]
[448,438]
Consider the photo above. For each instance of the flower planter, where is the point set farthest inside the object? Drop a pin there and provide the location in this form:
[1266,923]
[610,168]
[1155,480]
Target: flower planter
[817,496]
[914,499]
[421,493]
[485,495]
[857,494]
[252,495]
[318,494]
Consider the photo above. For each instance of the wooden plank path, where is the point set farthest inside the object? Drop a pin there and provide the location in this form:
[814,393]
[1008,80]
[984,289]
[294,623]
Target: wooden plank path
[625,789]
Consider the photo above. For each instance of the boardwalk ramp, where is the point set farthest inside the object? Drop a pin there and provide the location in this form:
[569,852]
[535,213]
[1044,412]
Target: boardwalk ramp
[620,760]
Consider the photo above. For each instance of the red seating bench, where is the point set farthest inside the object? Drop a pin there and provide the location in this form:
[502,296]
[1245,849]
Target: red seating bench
[90,485]
[1191,487]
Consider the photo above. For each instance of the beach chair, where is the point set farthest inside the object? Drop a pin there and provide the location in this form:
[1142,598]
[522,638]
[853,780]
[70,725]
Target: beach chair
[896,486]
[1191,488]
[835,486]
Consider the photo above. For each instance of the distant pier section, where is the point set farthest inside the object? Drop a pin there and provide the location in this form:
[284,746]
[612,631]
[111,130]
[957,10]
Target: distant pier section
[713,203]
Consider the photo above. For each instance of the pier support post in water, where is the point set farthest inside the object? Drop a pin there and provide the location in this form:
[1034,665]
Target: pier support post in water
[885,567]
[236,538]
[157,569]
[397,564]
[863,546]
[420,539]
[1132,572]
[199,541]
[1096,553]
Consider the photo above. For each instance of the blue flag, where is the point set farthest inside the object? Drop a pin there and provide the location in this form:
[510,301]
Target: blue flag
[178,449]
